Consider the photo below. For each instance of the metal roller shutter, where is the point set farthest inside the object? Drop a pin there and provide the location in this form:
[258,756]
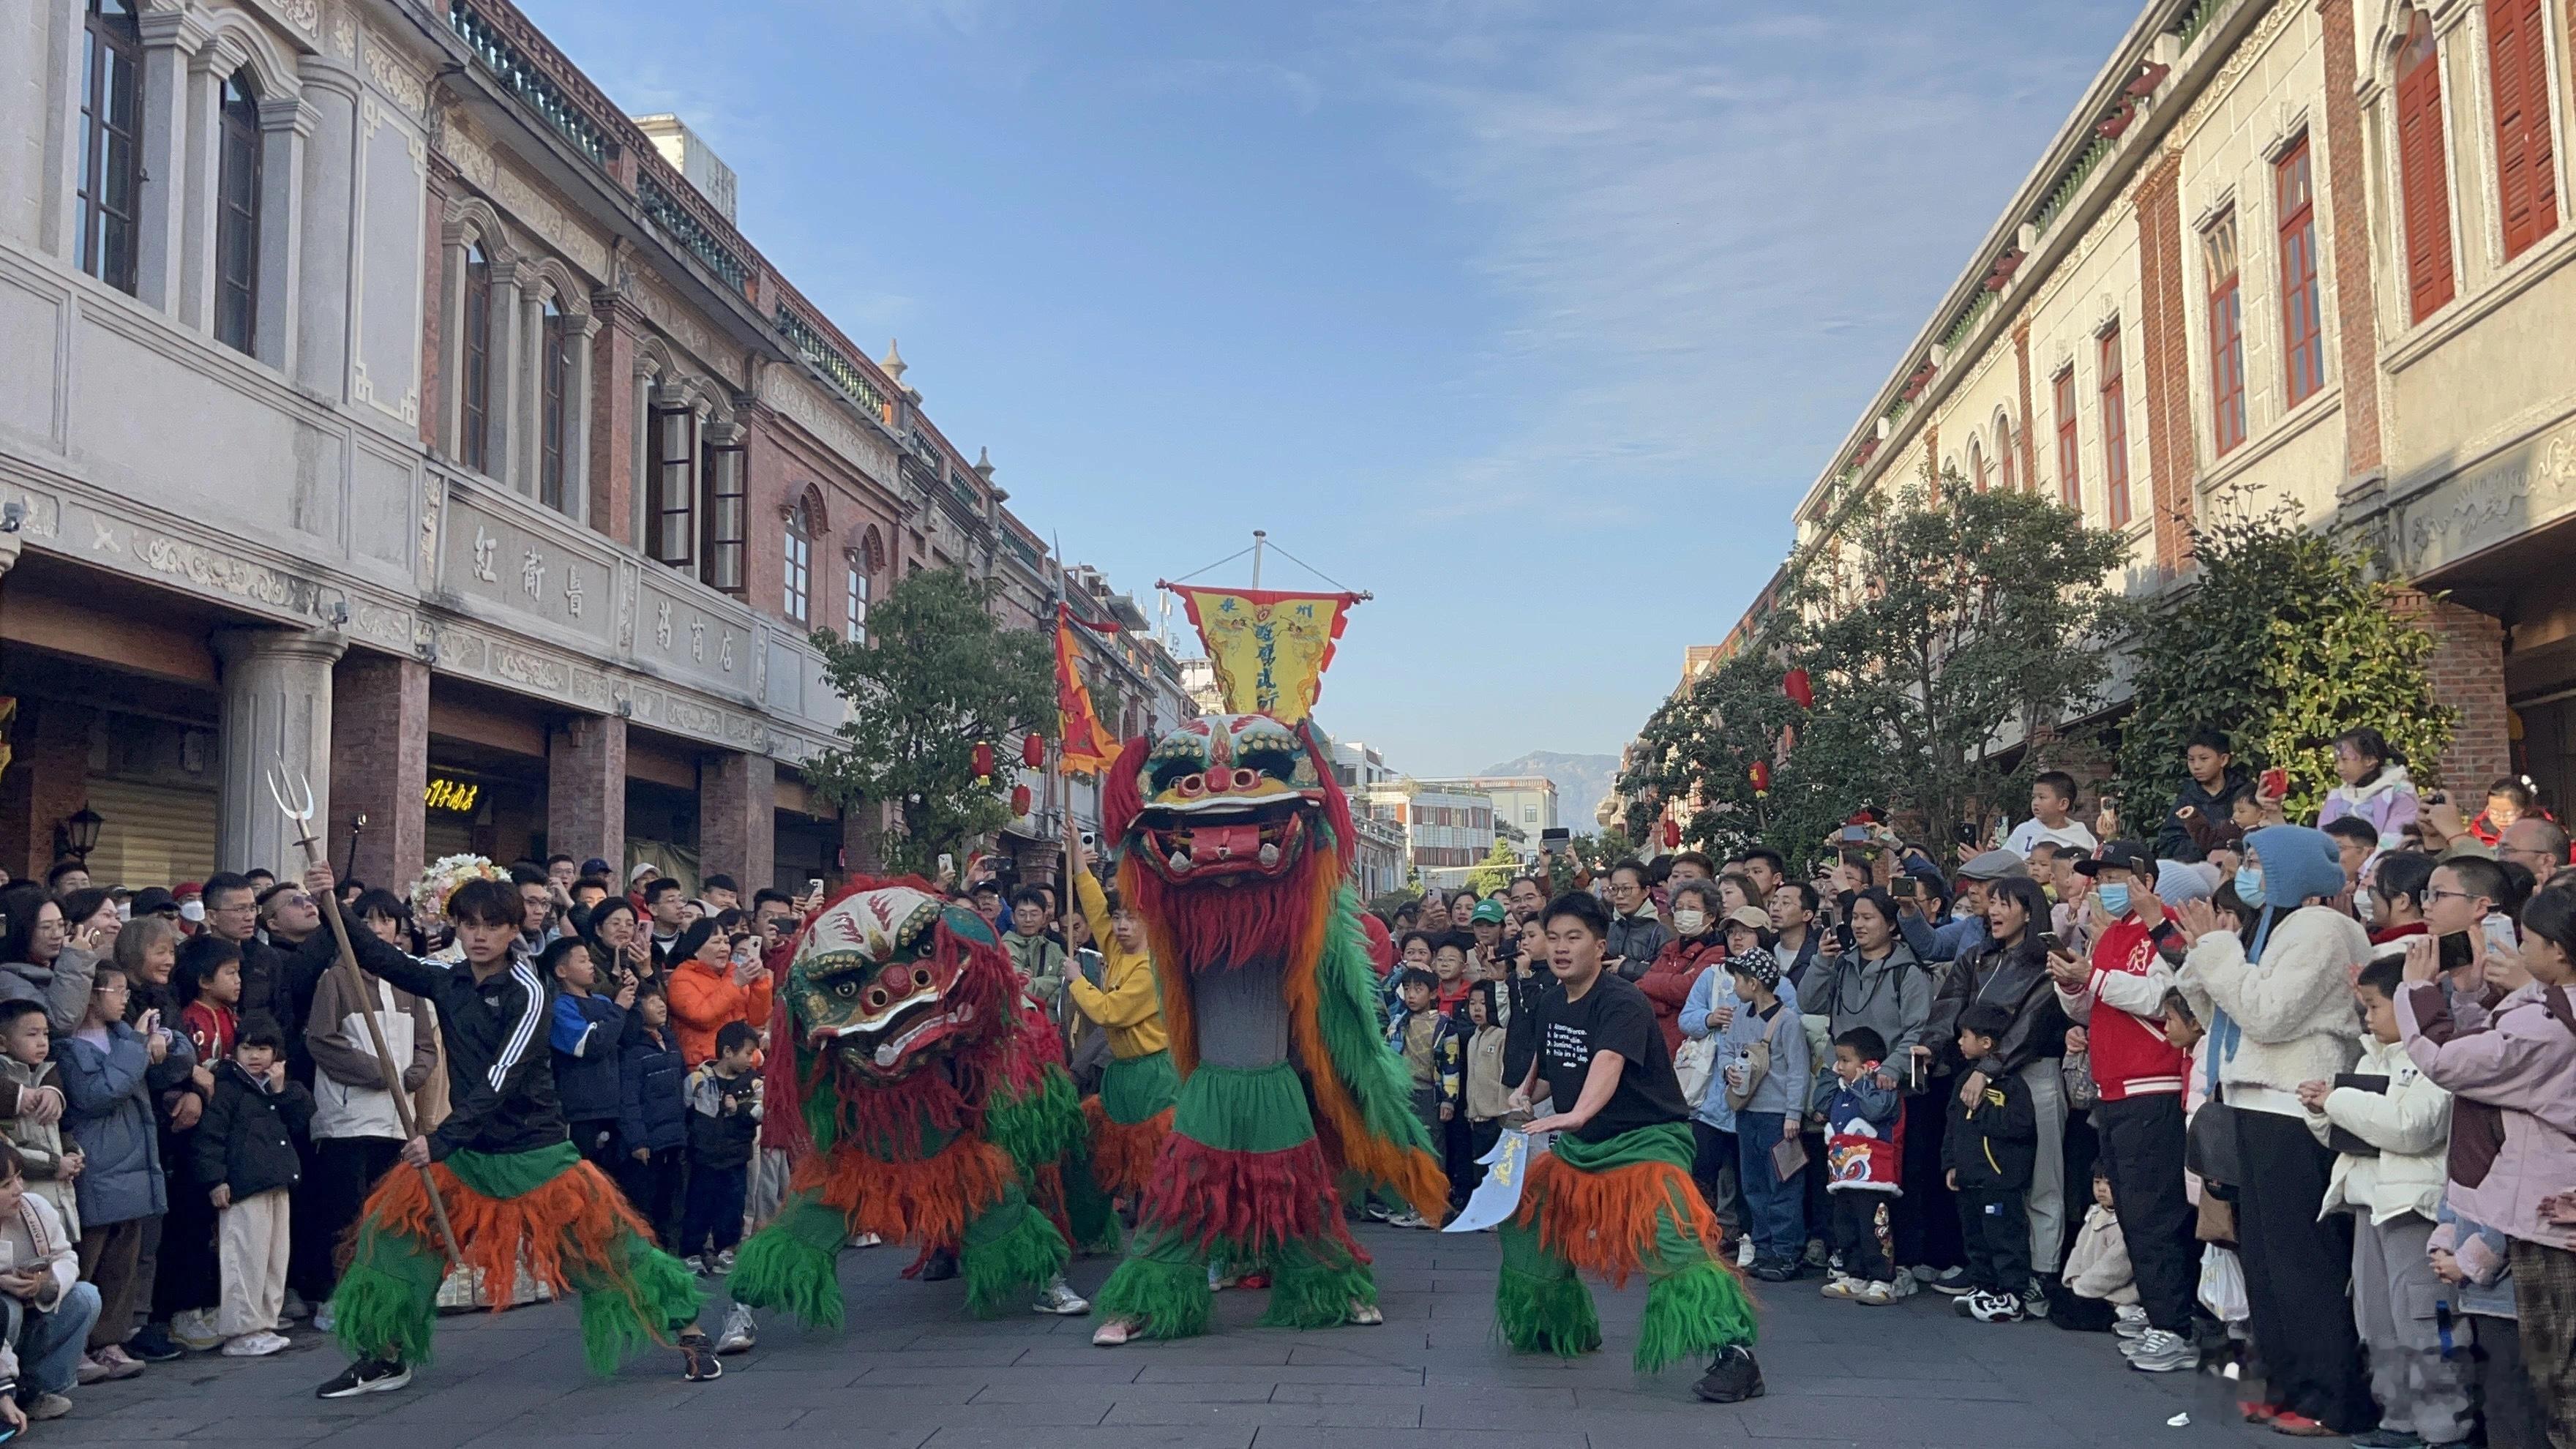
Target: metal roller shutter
[152,834]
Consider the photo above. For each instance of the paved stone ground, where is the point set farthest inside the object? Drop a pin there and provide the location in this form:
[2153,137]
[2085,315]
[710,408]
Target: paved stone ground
[913,1372]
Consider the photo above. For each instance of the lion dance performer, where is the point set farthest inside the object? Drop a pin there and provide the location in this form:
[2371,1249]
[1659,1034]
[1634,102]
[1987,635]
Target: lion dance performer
[516,1190]
[1131,1114]
[1613,1194]
[919,1099]
[1233,854]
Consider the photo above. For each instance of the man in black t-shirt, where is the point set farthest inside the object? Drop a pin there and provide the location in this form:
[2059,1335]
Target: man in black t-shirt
[1619,1167]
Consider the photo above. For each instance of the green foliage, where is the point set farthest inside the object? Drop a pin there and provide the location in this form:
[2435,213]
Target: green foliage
[2285,642]
[1936,632]
[1495,871]
[936,676]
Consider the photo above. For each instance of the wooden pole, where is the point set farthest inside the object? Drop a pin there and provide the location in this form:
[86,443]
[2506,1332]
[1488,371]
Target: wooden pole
[360,988]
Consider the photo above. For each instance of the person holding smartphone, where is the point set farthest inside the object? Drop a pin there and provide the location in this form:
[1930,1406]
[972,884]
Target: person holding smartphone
[717,979]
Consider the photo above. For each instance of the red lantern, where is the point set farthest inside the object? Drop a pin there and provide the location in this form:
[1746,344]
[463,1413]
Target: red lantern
[1761,777]
[1033,749]
[983,762]
[1672,833]
[1019,799]
[1800,689]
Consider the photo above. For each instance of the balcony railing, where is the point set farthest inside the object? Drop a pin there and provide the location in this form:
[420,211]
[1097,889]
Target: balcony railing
[675,220]
[530,84]
[819,351]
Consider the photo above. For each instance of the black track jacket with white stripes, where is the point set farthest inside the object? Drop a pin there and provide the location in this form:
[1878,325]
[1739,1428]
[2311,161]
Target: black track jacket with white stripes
[500,1082]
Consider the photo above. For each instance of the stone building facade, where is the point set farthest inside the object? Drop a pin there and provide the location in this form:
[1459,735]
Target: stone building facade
[2311,252]
[377,397]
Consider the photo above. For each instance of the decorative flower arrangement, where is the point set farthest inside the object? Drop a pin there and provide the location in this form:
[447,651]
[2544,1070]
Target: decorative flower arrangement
[430,893]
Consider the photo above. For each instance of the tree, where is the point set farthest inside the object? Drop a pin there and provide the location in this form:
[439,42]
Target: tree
[2285,642]
[1940,632]
[1495,871]
[937,677]
[1701,748]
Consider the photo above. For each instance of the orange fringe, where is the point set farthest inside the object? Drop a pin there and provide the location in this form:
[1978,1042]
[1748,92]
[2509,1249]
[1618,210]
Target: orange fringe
[576,1224]
[1122,1153]
[1605,1222]
[927,1202]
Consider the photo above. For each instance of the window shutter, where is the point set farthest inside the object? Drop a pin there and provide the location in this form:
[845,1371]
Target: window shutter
[2526,166]
[2429,281]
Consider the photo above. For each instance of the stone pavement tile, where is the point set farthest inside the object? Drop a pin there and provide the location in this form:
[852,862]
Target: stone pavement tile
[1293,1373]
[939,1355]
[1095,1371]
[1289,1438]
[1313,1416]
[1684,1420]
[1227,1348]
[1012,1391]
[1119,1436]
[1434,1395]
[900,1413]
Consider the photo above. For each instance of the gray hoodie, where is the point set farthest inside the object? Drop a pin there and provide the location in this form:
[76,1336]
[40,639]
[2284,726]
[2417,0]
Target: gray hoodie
[63,987]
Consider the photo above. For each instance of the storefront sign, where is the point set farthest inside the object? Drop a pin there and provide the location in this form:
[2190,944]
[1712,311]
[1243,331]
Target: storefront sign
[442,793]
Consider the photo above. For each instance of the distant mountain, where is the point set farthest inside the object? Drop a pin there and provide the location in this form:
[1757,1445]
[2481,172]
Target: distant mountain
[1582,782]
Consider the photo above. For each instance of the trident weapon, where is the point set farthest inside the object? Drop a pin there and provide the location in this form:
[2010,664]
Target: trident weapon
[294,795]
[357,828]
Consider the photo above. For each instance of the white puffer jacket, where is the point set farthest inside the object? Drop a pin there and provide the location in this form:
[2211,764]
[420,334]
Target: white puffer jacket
[2410,1124]
[2294,1011]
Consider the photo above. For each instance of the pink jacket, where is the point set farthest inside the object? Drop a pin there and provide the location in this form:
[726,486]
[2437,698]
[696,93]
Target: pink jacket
[2522,1065]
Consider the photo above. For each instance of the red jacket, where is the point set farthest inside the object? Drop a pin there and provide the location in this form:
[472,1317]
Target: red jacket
[1667,982]
[2122,1008]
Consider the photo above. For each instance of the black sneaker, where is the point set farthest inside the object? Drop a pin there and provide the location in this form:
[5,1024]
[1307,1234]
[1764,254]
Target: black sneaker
[367,1376]
[1731,1379]
[698,1361]
[152,1344]
[939,1267]
[1775,1270]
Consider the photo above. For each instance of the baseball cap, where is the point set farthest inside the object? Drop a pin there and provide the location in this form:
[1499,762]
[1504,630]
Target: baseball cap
[594,866]
[2131,855]
[642,870]
[1488,913]
[1994,865]
[1754,916]
[154,898]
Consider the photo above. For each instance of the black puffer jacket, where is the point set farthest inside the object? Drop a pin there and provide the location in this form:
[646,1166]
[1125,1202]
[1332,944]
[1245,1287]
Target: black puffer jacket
[653,1092]
[2173,838]
[247,1140]
[2015,979]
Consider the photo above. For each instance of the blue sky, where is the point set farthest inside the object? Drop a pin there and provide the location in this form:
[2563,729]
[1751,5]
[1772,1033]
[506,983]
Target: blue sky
[1533,319]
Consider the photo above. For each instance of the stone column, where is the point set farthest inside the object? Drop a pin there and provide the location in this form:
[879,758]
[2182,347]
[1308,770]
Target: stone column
[738,817]
[284,123]
[586,790]
[577,407]
[527,461]
[170,38]
[277,707]
[2172,439]
[501,446]
[2344,177]
[204,152]
[329,214]
[379,765]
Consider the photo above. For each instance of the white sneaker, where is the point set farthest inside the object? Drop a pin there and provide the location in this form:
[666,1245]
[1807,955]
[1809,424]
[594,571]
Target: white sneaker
[1877,1294]
[195,1328]
[866,1240]
[1840,1286]
[1744,1251]
[2160,1352]
[254,1345]
[1407,1219]
[740,1332]
[323,1321]
[2129,1321]
[1058,1299]
[1903,1284]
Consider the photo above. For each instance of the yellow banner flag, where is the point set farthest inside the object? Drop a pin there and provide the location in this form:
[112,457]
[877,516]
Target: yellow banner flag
[1270,649]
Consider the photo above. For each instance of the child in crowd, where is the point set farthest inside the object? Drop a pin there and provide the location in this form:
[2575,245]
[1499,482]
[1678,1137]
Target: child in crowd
[108,1118]
[588,1028]
[50,1311]
[1766,1081]
[2472,1261]
[187,1287]
[209,984]
[2101,1292]
[247,1164]
[2390,1124]
[652,1119]
[1484,1095]
[1428,1042]
[1449,967]
[1988,1151]
[724,1118]
[1864,1166]
[51,1169]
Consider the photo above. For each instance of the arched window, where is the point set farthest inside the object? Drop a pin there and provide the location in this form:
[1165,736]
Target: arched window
[2423,170]
[554,389]
[237,217]
[111,164]
[2005,450]
[2226,335]
[800,561]
[1977,465]
[474,412]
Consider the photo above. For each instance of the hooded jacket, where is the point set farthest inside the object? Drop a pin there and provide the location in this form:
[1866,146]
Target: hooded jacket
[1993,1145]
[652,1092]
[1126,1003]
[40,1144]
[2521,1070]
[2174,838]
[2387,800]
[1668,982]
[348,1087]
[704,998]
[2288,1007]
[109,1118]
[62,988]
[1892,997]
[2409,1123]
[585,1035]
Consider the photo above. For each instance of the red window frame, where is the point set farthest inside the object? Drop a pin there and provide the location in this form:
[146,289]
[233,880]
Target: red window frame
[2115,431]
[2526,158]
[2303,335]
[2424,171]
[2070,452]
[2226,338]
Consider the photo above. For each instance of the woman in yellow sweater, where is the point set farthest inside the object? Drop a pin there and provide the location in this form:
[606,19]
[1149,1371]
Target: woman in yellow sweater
[1133,1112]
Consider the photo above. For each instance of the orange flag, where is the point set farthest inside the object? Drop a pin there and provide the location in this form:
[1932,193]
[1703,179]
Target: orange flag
[1088,748]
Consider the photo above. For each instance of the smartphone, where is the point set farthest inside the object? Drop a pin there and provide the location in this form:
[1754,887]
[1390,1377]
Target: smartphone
[1965,833]
[1855,834]
[1905,887]
[2276,783]
[813,885]
[2052,943]
[947,863]
[2457,951]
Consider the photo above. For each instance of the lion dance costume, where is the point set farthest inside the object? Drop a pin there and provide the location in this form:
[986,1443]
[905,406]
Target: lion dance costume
[1233,836]
[920,1099]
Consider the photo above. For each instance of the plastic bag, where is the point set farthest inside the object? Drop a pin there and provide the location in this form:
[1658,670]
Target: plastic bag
[2222,1285]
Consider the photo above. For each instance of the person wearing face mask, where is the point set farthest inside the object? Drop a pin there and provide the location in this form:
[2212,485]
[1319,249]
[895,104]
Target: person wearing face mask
[1699,942]
[2278,1001]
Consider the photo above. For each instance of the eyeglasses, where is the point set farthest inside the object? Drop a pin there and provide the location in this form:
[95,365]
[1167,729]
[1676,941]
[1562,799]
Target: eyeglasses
[2433,895]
